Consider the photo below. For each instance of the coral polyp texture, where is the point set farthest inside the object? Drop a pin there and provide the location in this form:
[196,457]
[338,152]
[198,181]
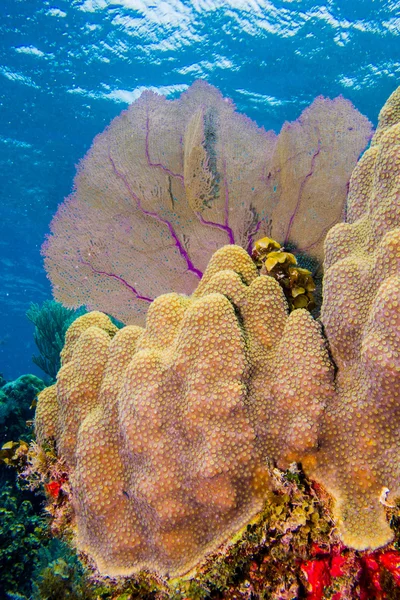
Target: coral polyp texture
[360,454]
[168,432]
[165,429]
[170,182]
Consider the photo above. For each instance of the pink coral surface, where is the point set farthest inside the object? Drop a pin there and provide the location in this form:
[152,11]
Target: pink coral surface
[170,182]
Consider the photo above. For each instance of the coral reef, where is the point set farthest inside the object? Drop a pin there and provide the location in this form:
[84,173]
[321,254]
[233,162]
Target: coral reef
[170,433]
[58,575]
[22,527]
[17,399]
[29,558]
[181,461]
[170,182]
[51,322]
[290,550]
[21,533]
[360,452]
[32,566]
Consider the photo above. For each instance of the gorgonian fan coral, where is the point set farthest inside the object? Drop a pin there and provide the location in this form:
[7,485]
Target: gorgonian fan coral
[170,182]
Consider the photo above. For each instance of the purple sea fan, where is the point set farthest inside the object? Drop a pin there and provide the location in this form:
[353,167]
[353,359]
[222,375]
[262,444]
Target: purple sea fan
[170,182]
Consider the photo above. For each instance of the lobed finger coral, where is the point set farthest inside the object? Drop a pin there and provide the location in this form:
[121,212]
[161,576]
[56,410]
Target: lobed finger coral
[169,431]
[166,429]
[360,444]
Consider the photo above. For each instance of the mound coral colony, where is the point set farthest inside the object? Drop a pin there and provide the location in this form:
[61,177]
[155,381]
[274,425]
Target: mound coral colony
[205,235]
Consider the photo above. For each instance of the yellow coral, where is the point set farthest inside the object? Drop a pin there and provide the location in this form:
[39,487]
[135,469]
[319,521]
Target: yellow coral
[361,449]
[79,326]
[46,416]
[297,283]
[165,429]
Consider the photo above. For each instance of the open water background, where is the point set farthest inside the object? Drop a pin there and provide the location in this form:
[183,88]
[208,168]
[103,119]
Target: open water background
[68,67]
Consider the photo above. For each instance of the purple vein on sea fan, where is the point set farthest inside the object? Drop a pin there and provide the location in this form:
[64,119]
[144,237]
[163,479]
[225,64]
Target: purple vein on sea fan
[170,182]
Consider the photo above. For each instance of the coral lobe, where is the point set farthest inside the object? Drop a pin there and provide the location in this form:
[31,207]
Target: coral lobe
[169,431]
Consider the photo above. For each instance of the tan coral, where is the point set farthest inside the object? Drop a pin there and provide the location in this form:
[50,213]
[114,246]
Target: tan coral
[360,450]
[79,326]
[46,416]
[165,429]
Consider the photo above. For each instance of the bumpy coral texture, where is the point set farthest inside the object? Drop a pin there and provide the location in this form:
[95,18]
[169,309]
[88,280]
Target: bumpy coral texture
[359,461]
[165,429]
[170,182]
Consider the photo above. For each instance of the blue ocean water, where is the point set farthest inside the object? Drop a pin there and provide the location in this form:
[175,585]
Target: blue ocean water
[68,67]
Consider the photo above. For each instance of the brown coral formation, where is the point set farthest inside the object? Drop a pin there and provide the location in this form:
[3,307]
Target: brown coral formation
[360,450]
[167,429]
[170,182]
